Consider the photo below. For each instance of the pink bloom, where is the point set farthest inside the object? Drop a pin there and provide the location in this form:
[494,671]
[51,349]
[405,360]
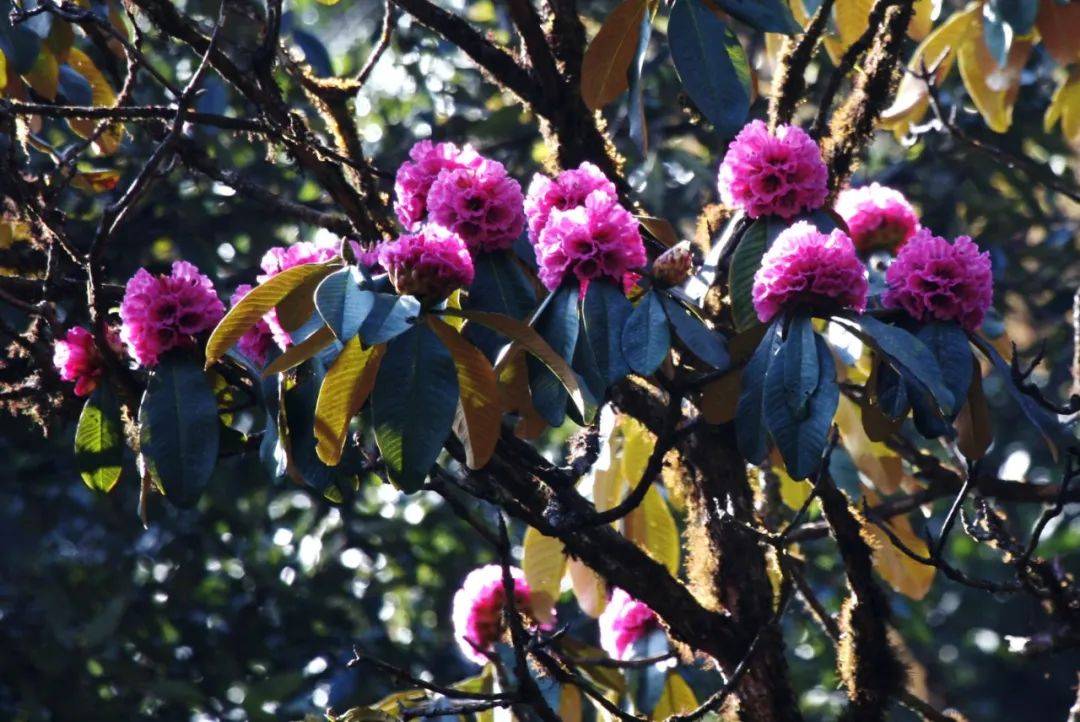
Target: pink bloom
[934,280]
[431,263]
[481,203]
[282,258]
[415,176]
[804,266]
[160,313]
[766,174]
[568,190]
[877,217]
[478,609]
[257,340]
[599,239]
[625,620]
[77,359]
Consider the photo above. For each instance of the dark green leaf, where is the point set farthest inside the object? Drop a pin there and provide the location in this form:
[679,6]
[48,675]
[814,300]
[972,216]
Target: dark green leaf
[499,286]
[646,337]
[178,428]
[801,441]
[558,323]
[800,370]
[745,262]
[389,316]
[770,16]
[750,431]
[604,311]
[711,65]
[342,303]
[413,405]
[704,343]
[99,440]
[906,354]
[951,348]
[891,392]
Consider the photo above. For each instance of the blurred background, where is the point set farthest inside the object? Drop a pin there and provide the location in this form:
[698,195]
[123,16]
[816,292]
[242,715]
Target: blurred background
[247,607]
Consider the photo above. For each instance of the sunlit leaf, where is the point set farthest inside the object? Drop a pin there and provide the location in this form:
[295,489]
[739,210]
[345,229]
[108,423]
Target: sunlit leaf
[44,75]
[570,704]
[676,698]
[1065,106]
[99,440]
[652,527]
[96,181]
[345,388]
[544,563]
[907,576]
[103,95]
[301,352]
[589,588]
[480,399]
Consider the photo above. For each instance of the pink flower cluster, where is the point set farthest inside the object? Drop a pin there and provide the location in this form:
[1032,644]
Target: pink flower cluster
[934,280]
[804,266]
[877,217]
[257,340]
[282,258]
[160,313]
[566,191]
[431,263]
[597,238]
[779,174]
[624,621]
[77,359]
[478,609]
[459,189]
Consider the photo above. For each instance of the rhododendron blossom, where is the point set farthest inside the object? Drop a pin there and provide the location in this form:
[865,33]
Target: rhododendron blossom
[624,621]
[478,609]
[160,313]
[416,175]
[599,239]
[77,359]
[877,217]
[778,174]
[567,190]
[257,340]
[481,203]
[934,280]
[430,264]
[805,266]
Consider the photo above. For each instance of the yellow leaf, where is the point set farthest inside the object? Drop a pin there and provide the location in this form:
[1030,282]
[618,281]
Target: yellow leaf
[793,492]
[480,399]
[923,20]
[514,385]
[637,446]
[3,70]
[570,704]
[344,389]
[874,459]
[1065,106]
[907,576]
[296,308]
[652,527]
[677,698]
[608,57]
[1059,27]
[44,75]
[544,562]
[102,94]
[527,338]
[852,19]
[256,304]
[301,352]
[96,181]
[992,88]
[590,590]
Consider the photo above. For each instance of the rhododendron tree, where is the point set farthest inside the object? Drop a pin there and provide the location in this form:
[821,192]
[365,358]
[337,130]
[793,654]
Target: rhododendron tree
[569,370]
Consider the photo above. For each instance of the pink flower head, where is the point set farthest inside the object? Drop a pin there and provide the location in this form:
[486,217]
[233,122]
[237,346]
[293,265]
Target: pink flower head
[568,190]
[431,263]
[599,239]
[625,620]
[481,203]
[282,258]
[478,609]
[257,340]
[77,359]
[934,280]
[779,174]
[415,176]
[160,313]
[805,266]
[877,217]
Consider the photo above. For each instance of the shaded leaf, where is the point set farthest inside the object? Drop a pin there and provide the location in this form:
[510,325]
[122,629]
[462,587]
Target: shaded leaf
[604,312]
[974,430]
[390,315]
[745,262]
[342,304]
[646,338]
[750,431]
[558,323]
[607,59]
[703,342]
